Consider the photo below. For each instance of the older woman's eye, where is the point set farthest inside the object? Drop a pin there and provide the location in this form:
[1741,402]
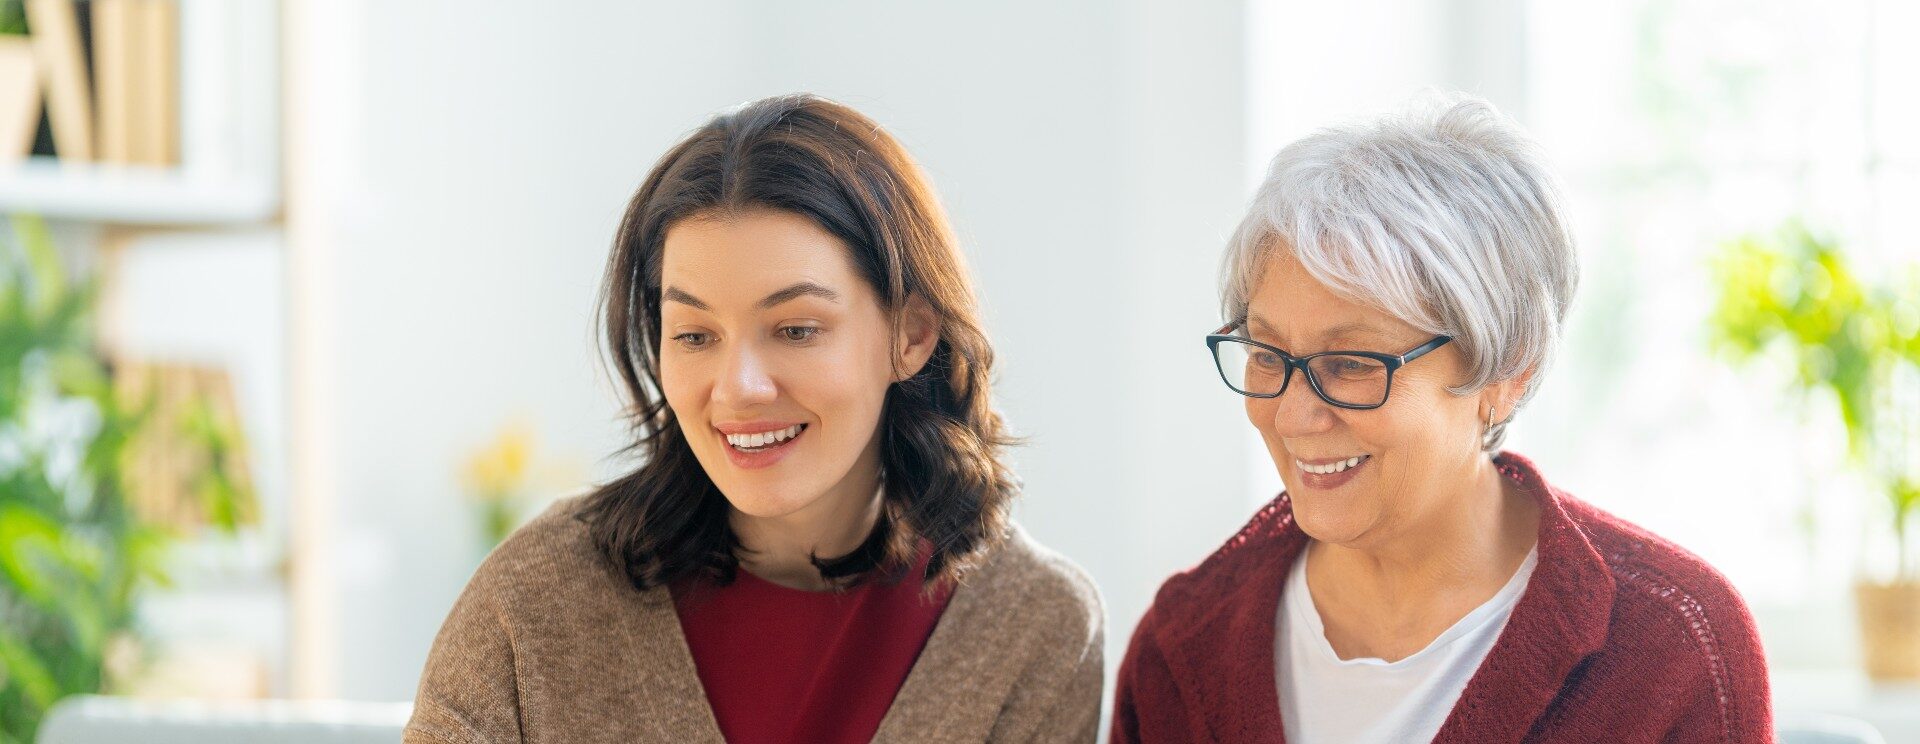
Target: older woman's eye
[692,341]
[1268,360]
[799,334]
[1353,368]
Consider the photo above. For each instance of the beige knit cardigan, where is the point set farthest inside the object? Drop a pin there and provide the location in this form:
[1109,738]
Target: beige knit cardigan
[549,643]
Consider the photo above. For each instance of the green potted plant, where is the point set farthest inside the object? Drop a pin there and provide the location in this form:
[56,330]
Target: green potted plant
[75,553]
[1793,297]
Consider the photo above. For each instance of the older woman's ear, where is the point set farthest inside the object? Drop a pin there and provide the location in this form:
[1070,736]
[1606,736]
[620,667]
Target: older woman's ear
[1500,400]
[919,329]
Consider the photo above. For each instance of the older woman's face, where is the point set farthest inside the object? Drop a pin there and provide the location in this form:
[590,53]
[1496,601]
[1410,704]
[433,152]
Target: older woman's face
[1416,451]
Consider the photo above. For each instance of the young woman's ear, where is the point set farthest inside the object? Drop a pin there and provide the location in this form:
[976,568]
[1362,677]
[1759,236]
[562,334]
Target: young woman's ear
[919,334]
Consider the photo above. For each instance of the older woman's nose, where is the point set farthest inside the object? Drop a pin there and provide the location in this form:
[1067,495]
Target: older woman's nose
[745,380]
[1299,412]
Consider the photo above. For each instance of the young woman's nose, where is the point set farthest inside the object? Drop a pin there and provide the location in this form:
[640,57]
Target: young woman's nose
[744,380]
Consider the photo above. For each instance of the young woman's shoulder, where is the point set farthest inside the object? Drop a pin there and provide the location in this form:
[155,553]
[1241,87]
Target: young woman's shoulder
[1022,641]
[1042,584]
[551,555]
[526,633]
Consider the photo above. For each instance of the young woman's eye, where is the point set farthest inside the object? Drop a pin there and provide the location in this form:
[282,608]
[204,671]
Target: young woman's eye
[799,334]
[692,341]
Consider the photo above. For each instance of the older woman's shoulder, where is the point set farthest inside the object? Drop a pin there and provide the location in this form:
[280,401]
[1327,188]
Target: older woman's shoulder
[1665,596]
[1256,555]
[1646,566]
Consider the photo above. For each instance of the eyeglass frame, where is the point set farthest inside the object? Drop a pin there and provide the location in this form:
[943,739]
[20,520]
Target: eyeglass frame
[1392,362]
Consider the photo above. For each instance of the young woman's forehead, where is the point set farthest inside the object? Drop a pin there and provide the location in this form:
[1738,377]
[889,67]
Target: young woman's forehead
[750,259]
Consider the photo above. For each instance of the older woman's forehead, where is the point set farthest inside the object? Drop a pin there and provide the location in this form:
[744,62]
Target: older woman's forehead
[1312,327]
[1289,303]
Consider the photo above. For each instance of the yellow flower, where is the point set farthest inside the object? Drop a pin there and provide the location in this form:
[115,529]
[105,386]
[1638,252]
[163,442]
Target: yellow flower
[496,471]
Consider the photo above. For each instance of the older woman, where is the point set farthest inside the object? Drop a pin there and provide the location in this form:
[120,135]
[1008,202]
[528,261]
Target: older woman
[1395,294]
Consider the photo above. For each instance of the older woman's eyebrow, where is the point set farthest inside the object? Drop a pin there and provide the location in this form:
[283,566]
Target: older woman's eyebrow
[1355,327]
[1256,323]
[673,294]
[798,290]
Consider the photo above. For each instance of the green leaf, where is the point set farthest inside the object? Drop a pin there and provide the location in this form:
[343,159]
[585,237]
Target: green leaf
[43,261]
[28,670]
[29,546]
[1792,298]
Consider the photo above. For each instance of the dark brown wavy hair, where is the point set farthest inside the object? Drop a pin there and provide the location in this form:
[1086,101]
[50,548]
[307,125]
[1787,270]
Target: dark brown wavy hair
[941,442]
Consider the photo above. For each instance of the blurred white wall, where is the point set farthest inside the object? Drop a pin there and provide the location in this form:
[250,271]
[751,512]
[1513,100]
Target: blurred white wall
[460,169]
[455,171]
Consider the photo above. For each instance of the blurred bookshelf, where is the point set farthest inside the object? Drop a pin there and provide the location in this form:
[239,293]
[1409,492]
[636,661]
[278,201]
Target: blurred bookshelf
[155,112]
[136,195]
[152,148]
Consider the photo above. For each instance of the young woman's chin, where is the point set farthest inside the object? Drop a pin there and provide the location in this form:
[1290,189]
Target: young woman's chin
[769,500]
[769,490]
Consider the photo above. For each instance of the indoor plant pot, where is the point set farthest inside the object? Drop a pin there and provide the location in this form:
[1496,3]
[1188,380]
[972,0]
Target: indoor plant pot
[1854,343]
[1890,629]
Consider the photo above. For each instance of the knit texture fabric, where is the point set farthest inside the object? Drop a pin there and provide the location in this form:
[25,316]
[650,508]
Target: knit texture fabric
[1620,637]
[550,643]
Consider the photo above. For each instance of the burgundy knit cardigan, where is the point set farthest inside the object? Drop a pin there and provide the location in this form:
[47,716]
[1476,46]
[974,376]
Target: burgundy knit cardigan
[1620,637]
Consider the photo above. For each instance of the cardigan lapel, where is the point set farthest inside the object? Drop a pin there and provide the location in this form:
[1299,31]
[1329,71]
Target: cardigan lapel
[668,694]
[1560,620]
[1225,656]
[925,709]
[672,701]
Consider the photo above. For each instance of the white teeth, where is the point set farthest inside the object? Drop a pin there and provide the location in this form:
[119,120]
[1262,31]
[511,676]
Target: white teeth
[762,439]
[1332,467]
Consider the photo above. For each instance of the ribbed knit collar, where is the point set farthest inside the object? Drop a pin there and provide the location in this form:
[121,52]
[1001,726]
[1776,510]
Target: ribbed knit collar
[1222,651]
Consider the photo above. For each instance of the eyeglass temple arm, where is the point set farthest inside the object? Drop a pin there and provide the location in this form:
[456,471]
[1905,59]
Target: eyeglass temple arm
[1437,342]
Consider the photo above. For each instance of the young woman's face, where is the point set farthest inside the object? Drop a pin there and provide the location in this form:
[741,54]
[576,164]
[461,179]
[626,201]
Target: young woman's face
[776,357]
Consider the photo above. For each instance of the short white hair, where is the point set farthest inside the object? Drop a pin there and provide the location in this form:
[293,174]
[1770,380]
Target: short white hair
[1444,216]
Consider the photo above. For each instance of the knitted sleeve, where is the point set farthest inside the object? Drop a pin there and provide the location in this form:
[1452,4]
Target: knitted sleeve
[1056,696]
[1066,707]
[468,693]
[1731,702]
[1147,706]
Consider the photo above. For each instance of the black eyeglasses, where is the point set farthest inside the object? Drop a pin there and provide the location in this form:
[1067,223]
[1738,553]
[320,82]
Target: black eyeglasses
[1359,380]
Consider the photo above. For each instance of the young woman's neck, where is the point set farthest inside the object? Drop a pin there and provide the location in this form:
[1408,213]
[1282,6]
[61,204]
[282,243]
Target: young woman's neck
[780,549]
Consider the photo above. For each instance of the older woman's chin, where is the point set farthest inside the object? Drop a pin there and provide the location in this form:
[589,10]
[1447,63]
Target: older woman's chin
[1328,523]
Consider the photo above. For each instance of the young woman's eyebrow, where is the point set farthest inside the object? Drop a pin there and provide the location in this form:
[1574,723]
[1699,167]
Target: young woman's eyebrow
[798,290]
[673,294]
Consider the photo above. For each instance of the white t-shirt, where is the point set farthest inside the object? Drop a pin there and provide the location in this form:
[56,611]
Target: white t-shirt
[1326,699]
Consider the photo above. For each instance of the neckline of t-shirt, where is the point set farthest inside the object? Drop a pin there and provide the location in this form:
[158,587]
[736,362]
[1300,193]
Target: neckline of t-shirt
[1302,609]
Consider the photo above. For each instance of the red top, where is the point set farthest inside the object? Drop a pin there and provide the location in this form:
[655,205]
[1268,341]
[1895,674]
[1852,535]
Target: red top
[1620,636]
[786,665]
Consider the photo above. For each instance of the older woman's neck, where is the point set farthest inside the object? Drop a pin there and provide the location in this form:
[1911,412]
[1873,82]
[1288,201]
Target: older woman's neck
[1477,535]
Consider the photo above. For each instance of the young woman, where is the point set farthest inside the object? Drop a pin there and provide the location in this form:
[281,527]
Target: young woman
[817,545]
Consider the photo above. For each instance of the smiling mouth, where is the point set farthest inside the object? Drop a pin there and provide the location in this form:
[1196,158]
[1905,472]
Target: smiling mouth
[1336,466]
[765,440]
